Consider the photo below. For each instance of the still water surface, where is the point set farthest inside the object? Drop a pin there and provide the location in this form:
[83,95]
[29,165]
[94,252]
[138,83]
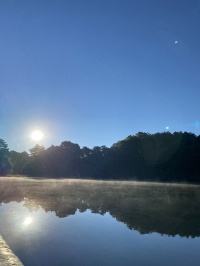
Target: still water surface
[80,229]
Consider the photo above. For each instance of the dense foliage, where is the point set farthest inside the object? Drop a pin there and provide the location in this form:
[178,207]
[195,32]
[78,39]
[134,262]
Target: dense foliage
[155,157]
[5,165]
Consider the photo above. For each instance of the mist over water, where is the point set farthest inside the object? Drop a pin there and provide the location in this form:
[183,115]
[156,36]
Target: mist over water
[75,222]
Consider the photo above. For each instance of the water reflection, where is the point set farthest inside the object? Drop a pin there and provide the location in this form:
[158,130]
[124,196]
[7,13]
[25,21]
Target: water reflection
[28,221]
[164,209]
[88,223]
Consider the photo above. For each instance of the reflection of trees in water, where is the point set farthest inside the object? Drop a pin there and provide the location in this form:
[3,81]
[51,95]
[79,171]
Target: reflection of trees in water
[31,205]
[166,209]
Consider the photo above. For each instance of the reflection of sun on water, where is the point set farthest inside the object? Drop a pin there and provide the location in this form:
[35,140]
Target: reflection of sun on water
[28,221]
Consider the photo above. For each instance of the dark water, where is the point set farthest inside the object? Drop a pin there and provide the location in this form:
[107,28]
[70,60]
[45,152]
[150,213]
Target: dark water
[101,224]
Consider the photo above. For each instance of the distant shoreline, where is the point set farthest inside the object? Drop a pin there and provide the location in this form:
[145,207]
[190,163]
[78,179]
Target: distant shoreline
[160,157]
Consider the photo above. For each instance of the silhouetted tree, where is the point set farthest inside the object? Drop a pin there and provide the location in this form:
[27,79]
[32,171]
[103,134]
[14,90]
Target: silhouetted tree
[5,165]
[35,165]
[18,161]
[36,150]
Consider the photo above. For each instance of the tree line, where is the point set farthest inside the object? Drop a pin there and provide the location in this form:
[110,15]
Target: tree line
[152,157]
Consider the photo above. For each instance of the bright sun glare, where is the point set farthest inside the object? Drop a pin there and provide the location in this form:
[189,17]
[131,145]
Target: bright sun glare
[37,135]
[28,221]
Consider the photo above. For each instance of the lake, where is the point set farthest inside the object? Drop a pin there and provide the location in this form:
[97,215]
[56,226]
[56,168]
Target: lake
[82,222]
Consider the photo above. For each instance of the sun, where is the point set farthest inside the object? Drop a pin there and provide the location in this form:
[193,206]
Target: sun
[37,135]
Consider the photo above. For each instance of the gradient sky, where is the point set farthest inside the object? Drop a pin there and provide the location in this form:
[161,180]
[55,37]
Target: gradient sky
[95,71]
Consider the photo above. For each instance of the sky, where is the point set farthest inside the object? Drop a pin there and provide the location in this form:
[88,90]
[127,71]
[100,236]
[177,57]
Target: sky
[96,71]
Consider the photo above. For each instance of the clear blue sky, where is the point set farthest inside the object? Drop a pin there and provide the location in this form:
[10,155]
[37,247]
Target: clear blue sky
[94,72]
